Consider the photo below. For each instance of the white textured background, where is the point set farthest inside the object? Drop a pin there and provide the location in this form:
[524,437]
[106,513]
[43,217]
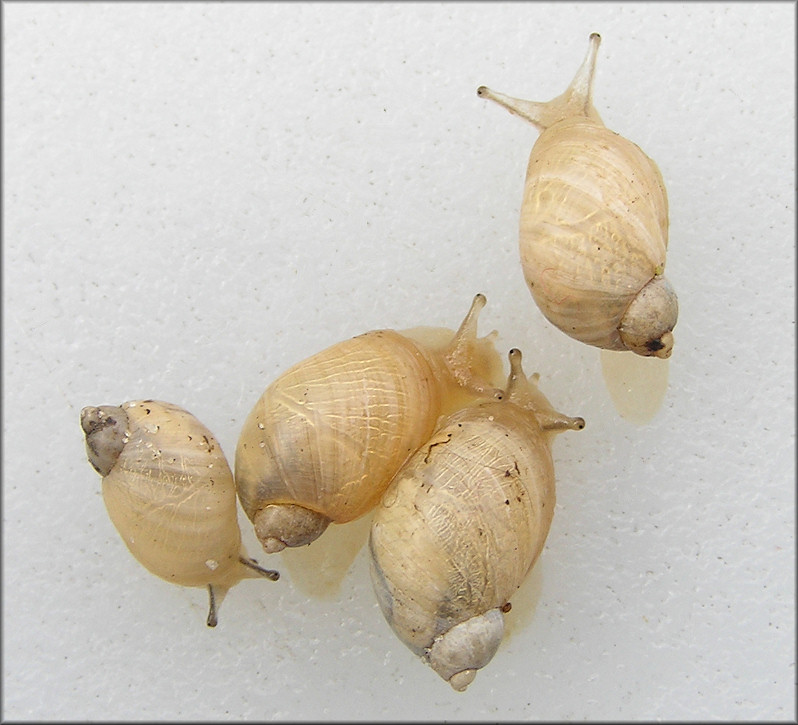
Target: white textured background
[196,196]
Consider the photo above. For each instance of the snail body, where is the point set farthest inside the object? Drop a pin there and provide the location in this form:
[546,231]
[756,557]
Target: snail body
[594,225]
[462,524]
[325,438]
[170,494]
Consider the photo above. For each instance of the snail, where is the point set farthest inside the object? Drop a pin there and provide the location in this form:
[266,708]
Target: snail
[170,494]
[326,437]
[594,225]
[462,524]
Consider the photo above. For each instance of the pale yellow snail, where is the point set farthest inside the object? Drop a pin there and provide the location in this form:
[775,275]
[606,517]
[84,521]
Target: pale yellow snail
[462,524]
[325,438]
[170,493]
[594,225]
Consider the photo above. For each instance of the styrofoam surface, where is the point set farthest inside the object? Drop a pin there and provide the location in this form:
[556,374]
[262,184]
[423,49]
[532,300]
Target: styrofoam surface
[199,195]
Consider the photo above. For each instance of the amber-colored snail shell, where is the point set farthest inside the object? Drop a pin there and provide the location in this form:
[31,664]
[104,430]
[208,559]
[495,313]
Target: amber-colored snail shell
[462,524]
[594,225]
[326,438]
[170,494]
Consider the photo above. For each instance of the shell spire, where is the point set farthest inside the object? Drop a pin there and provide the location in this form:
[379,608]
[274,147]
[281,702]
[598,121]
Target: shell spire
[524,392]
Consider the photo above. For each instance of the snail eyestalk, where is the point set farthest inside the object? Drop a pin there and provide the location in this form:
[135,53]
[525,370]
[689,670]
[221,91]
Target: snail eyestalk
[213,605]
[576,101]
[259,570]
[525,393]
[471,359]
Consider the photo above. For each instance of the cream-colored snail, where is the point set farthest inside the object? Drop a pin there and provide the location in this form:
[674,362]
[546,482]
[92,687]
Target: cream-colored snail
[462,524]
[327,436]
[170,493]
[594,225]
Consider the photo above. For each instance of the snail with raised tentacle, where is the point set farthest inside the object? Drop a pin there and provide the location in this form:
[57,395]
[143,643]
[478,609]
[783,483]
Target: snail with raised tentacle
[594,225]
[170,493]
[325,438]
[462,524]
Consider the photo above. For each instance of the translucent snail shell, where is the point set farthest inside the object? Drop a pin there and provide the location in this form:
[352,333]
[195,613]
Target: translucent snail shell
[594,225]
[462,524]
[170,494]
[325,438]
